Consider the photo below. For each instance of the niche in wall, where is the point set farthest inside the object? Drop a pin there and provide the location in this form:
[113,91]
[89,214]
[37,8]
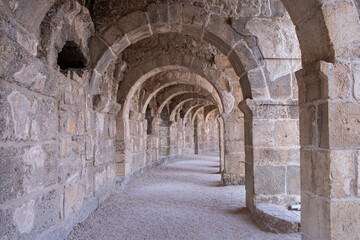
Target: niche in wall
[71,57]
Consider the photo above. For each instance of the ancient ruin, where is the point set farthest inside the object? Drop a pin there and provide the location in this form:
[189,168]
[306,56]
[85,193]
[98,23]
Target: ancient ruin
[94,93]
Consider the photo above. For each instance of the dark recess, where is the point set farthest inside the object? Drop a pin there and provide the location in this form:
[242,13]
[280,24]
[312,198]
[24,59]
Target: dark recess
[71,57]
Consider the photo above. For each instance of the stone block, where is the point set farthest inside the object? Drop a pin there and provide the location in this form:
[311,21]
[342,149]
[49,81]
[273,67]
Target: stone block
[286,133]
[104,61]
[345,219]
[234,132]
[310,84]
[158,13]
[27,169]
[11,57]
[281,88]
[337,79]
[342,15]
[97,49]
[263,133]
[248,60]
[40,166]
[356,76]
[16,114]
[8,229]
[192,15]
[73,200]
[35,215]
[104,152]
[344,125]
[100,180]
[269,180]
[222,62]
[11,174]
[315,218]
[257,78]
[69,170]
[307,122]
[48,209]
[112,34]
[222,30]
[175,10]
[139,34]
[225,49]
[276,155]
[132,21]
[315,169]
[342,173]
[293,180]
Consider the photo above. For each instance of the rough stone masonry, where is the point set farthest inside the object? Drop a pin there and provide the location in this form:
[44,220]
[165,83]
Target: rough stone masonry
[95,92]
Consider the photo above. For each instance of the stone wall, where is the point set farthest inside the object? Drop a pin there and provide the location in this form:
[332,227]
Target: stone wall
[208,133]
[56,147]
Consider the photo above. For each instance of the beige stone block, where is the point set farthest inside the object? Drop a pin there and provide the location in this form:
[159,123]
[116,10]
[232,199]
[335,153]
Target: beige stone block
[345,219]
[276,155]
[307,124]
[263,131]
[232,162]
[222,62]
[315,218]
[342,15]
[315,169]
[71,125]
[344,124]
[286,133]
[342,173]
[336,80]
[293,180]
[74,197]
[269,180]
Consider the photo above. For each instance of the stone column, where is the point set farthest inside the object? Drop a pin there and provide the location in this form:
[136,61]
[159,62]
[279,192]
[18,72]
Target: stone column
[234,151]
[221,144]
[173,148]
[272,153]
[330,139]
[156,122]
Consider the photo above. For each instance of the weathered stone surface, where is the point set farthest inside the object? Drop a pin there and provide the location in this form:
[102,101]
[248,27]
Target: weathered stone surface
[343,124]
[285,133]
[277,219]
[293,180]
[276,156]
[316,180]
[264,174]
[342,172]
[73,201]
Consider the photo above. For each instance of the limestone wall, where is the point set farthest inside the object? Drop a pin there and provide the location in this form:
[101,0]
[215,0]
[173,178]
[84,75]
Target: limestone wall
[208,133]
[56,146]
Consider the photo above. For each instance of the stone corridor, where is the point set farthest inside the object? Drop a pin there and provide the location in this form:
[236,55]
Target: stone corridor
[96,93]
[179,200]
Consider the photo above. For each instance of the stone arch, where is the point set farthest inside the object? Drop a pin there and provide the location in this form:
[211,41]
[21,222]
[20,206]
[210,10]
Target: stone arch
[328,33]
[174,91]
[179,103]
[212,28]
[209,111]
[192,107]
[141,73]
[199,109]
[163,83]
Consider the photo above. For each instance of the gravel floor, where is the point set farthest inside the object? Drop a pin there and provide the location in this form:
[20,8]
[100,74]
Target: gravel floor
[179,200]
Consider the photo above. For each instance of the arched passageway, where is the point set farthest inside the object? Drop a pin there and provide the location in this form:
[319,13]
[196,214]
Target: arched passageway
[271,85]
[179,200]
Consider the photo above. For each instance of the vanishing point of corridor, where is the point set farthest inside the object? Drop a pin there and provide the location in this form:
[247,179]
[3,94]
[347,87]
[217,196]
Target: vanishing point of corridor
[179,200]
